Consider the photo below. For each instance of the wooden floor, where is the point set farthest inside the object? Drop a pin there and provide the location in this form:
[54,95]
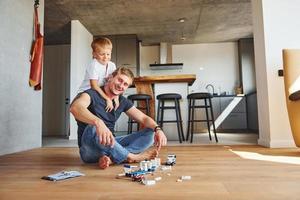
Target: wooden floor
[218,172]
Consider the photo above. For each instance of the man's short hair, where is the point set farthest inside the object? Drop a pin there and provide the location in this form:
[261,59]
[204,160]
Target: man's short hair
[100,43]
[125,71]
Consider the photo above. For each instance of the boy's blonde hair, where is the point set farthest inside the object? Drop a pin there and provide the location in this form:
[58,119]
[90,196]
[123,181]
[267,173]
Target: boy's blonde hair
[101,42]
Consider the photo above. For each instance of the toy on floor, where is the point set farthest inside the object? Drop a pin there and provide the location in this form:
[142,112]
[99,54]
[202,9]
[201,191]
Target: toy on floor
[171,159]
[137,174]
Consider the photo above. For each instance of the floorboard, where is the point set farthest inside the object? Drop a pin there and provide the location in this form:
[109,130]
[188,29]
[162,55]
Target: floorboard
[233,172]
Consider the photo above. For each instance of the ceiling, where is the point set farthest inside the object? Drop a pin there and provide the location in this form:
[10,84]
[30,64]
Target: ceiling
[153,21]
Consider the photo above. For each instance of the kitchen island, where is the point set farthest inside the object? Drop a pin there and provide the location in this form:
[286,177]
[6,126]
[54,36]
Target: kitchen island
[155,85]
[145,85]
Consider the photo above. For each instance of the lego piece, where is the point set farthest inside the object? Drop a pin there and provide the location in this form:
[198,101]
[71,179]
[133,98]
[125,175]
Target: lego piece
[143,165]
[128,168]
[157,178]
[135,173]
[171,159]
[148,182]
[158,162]
[164,167]
[186,177]
[138,178]
[120,175]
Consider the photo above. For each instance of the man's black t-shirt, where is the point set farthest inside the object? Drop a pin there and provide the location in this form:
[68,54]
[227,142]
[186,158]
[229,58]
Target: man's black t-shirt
[97,107]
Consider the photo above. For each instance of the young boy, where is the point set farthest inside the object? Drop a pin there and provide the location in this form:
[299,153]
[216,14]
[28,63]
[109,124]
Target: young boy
[99,70]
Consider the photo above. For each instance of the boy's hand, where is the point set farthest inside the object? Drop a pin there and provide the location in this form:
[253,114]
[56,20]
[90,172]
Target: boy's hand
[117,103]
[109,105]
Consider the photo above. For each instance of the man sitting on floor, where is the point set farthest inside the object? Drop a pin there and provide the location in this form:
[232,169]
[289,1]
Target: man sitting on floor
[96,140]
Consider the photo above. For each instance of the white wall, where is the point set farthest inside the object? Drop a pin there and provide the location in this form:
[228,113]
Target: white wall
[148,55]
[21,106]
[276,27]
[214,63]
[81,56]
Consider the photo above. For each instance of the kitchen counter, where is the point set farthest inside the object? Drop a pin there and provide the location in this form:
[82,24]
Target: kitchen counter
[228,95]
[144,85]
[188,78]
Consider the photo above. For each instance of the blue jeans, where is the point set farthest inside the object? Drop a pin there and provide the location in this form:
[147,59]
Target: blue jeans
[91,150]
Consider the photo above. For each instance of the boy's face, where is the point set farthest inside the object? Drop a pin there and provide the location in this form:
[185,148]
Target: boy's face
[103,55]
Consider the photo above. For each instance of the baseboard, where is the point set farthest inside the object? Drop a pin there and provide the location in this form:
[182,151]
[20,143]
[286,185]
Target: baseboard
[277,143]
[236,131]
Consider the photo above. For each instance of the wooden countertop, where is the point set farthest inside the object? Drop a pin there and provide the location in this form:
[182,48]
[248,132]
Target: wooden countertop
[189,78]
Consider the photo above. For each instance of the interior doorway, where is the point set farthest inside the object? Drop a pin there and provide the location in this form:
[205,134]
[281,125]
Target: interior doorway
[56,91]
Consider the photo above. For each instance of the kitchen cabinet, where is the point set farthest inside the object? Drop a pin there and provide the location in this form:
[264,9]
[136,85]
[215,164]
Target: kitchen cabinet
[125,51]
[237,119]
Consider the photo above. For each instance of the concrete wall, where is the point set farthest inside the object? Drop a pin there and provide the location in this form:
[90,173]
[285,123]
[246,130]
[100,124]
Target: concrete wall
[214,63]
[21,106]
[276,27]
[81,56]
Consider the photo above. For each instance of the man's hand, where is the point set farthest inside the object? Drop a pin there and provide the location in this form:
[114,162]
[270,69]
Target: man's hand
[105,136]
[159,139]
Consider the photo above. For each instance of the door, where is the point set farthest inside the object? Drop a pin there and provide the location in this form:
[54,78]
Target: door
[56,90]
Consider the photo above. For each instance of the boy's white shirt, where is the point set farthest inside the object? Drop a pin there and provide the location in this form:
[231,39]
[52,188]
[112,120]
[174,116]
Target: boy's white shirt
[96,71]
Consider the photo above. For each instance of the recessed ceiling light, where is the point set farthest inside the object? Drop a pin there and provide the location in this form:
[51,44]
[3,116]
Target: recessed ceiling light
[181,20]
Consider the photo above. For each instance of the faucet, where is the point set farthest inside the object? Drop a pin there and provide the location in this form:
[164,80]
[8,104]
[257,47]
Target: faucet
[213,89]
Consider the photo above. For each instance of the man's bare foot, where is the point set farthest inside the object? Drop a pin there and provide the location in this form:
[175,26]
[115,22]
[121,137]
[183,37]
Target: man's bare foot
[149,154]
[104,162]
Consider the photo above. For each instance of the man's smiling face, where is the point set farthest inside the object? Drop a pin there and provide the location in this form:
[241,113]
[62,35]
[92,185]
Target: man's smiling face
[118,84]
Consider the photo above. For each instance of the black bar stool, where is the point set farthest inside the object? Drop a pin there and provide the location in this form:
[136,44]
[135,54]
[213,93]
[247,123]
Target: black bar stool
[139,98]
[206,97]
[170,97]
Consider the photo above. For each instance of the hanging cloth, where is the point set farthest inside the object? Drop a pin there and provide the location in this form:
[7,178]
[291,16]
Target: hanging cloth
[36,55]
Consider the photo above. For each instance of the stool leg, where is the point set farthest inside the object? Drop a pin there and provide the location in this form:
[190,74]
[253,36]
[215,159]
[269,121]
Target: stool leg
[188,122]
[207,119]
[177,120]
[162,113]
[180,117]
[193,119]
[147,107]
[213,120]
[130,122]
[158,112]
[129,126]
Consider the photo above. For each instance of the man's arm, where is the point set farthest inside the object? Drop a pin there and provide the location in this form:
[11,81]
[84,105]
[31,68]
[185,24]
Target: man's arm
[80,112]
[160,139]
